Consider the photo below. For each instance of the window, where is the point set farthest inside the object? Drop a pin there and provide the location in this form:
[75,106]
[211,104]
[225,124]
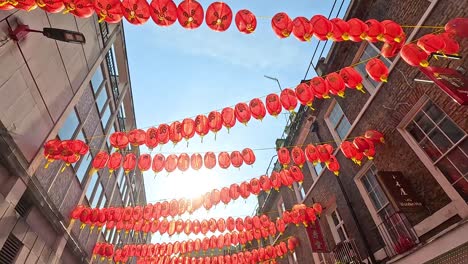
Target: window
[101,99]
[369,52]
[444,143]
[97,196]
[337,122]
[103,201]
[105,117]
[375,193]
[83,166]
[69,127]
[280,206]
[337,226]
[97,79]
[300,192]
[92,184]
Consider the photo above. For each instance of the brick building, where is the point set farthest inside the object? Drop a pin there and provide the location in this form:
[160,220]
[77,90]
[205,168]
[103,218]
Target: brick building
[425,132]
[52,89]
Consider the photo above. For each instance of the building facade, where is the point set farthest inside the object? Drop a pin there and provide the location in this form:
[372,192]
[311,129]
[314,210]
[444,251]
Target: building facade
[426,145]
[51,89]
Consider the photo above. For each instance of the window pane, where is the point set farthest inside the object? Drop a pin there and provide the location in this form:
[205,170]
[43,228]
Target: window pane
[434,112]
[97,196]
[440,140]
[424,122]
[341,234]
[318,168]
[91,186]
[430,149]
[97,79]
[335,218]
[343,127]
[414,130]
[462,188]
[336,114]
[83,167]
[69,127]
[103,202]
[451,130]
[101,99]
[105,116]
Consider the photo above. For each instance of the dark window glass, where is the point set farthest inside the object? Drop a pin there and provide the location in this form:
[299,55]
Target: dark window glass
[69,127]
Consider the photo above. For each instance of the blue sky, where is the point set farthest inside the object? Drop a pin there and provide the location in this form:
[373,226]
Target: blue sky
[178,73]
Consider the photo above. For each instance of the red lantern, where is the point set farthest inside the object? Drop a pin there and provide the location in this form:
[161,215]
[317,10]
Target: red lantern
[282,25]
[183,162]
[163,134]
[158,163]
[322,27]
[340,30]
[215,196]
[298,156]
[392,31]
[114,162]
[99,161]
[108,10]
[391,49]
[246,21]
[209,160]
[119,140]
[311,154]
[244,190]
[218,16]
[224,160]
[137,137]
[248,156]
[375,31]
[129,162]
[304,94]
[163,12]
[151,138]
[302,29]
[431,43]
[292,243]
[196,161]
[265,183]
[377,70]
[255,187]
[273,104]
[50,6]
[188,128]
[319,87]
[296,174]
[275,180]
[280,225]
[318,208]
[215,122]
[234,191]
[286,178]
[374,136]
[414,55]
[225,198]
[230,224]
[171,163]
[136,12]
[333,165]
[79,8]
[175,132]
[236,159]
[5,5]
[335,84]
[52,151]
[201,125]
[229,117]
[288,99]
[348,150]
[451,45]
[283,157]
[190,14]
[357,30]
[352,78]
[242,113]
[207,201]
[324,151]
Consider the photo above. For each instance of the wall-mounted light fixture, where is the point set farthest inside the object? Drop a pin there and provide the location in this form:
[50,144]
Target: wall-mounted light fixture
[53,33]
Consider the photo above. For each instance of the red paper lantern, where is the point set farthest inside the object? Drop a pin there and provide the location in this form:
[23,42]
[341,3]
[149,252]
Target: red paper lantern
[335,84]
[377,70]
[114,162]
[230,224]
[318,208]
[273,104]
[158,163]
[257,109]
[99,161]
[340,30]
[304,94]
[375,31]
[242,113]
[248,156]
[288,99]
[282,25]
[183,162]
[236,159]
[265,183]
[52,151]
[201,125]
[5,5]
[352,78]
[357,30]
[292,243]
[392,31]
[391,49]
[224,160]
[175,132]
[108,10]
[296,174]
[298,156]
[283,157]
[50,6]
[215,121]
[165,209]
[275,180]
[246,21]
[163,134]
[209,160]
[119,140]
[451,45]
[151,138]
[324,151]
[163,12]
[190,14]
[414,55]
[280,225]
[188,128]
[234,191]
[374,136]
[333,165]
[348,150]
[286,178]
[171,163]
[319,87]
[136,12]
[79,8]
[302,29]
[244,190]
[322,27]
[255,187]
[196,161]
[207,203]
[137,137]
[311,153]
[129,162]
[225,198]
[215,196]
[218,16]
[229,117]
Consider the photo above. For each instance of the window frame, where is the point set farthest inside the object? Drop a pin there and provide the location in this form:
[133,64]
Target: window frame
[332,127]
[334,228]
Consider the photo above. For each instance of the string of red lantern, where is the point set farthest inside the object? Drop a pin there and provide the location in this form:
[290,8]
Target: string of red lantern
[362,146]
[69,151]
[182,162]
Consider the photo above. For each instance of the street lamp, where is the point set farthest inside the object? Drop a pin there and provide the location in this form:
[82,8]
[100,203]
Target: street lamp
[274,79]
[53,33]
